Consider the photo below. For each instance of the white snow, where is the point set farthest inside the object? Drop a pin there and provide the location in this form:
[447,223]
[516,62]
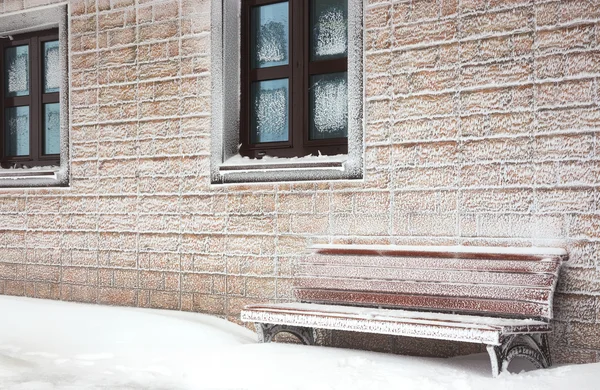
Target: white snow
[57,345]
[240,163]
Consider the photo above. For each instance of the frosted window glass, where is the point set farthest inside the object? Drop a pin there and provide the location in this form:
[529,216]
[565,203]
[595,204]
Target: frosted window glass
[51,67]
[329,25]
[269,35]
[329,106]
[52,128]
[16,131]
[270,111]
[16,72]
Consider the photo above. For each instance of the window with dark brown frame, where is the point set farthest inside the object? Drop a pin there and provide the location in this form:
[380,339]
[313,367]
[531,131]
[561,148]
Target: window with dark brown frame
[29,91]
[294,83]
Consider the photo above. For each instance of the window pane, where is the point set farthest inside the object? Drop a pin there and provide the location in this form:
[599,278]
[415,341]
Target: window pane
[329,106]
[270,120]
[269,35]
[329,26]
[51,67]
[52,128]
[16,73]
[17,131]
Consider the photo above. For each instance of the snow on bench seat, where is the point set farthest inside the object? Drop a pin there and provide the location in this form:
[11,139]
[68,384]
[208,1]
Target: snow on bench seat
[456,327]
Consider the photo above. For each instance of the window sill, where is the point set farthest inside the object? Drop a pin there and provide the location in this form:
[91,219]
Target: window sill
[239,169]
[245,164]
[24,178]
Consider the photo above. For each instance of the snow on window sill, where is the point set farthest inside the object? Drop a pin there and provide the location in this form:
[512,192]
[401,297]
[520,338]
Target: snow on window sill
[238,169]
[31,177]
[244,164]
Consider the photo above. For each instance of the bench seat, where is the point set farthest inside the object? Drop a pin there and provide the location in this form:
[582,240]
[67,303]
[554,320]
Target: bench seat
[446,326]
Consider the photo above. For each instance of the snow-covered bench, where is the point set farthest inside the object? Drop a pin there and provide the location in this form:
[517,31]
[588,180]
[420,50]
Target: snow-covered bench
[500,297]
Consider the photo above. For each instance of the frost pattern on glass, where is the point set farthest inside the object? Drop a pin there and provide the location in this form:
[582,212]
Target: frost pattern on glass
[330,30]
[17,131]
[52,128]
[329,106]
[17,71]
[270,32]
[270,118]
[51,67]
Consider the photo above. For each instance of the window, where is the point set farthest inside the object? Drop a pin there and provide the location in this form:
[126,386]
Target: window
[34,98]
[294,88]
[30,87]
[287,81]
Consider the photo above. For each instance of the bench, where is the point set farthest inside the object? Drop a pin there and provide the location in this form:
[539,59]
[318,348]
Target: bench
[500,297]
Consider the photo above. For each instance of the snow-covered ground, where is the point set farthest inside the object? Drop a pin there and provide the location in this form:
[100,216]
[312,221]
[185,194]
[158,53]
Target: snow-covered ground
[59,345]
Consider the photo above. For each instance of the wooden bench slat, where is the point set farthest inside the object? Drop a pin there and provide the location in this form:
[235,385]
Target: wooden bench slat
[366,313]
[466,252]
[472,305]
[467,328]
[428,275]
[424,288]
[534,266]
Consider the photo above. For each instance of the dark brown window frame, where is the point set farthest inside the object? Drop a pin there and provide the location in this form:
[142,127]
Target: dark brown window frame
[35,100]
[299,70]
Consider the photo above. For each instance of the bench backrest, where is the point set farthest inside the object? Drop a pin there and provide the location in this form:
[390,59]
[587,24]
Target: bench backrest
[506,282]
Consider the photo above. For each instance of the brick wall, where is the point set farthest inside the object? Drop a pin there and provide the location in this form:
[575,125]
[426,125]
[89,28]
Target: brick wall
[482,119]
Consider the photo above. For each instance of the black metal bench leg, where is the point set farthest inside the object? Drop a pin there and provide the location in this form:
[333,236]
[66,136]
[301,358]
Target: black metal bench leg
[534,348]
[266,333]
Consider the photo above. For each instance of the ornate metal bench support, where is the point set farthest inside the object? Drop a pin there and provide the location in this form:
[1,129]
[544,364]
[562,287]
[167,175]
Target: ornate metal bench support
[533,347]
[266,332]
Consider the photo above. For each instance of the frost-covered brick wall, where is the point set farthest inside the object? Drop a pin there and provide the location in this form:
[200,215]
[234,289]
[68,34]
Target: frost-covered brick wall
[481,127]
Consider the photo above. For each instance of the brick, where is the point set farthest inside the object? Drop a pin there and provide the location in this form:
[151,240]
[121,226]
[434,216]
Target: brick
[482,175]
[431,225]
[378,39]
[263,288]
[575,308]
[497,73]
[547,13]
[552,66]
[583,63]
[378,17]
[499,99]
[579,280]
[432,177]
[473,5]
[424,10]
[498,22]
[430,129]
[572,10]
[119,297]
[584,335]
[497,200]
[424,105]
[564,200]
[493,49]
[498,149]
[209,304]
[553,94]
[553,41]
[584,226]
[437,80]
[426,33]
[563,147]
[164,300]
